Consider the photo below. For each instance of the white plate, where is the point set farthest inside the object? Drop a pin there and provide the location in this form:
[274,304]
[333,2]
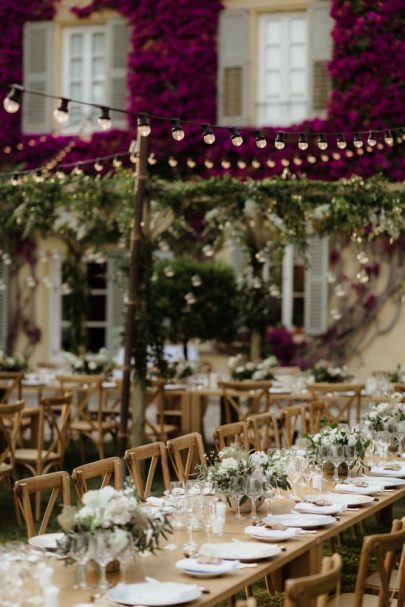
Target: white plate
[306,521]
[46,541]
[154,594]
[346,499]
[381,471]
[242,551]
[371,489]
[388,481]
[196,569]
[308,508]
[271,535]
[175,386]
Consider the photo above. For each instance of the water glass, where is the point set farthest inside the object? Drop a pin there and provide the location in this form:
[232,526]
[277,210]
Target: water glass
[80,552]
[237,491]
[337,457]
[102,553]
[350,457]
[254,490]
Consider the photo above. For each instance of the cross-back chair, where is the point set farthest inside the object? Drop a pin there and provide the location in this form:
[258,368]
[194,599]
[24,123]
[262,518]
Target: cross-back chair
[106,470]
[143,463]
[10,419]
[257,393]
[228,434]
[314,589]
[316,410]
[14,381]
[340,399]
[57,483]
[264,431]
[185,451]
[293,422]
[158,430]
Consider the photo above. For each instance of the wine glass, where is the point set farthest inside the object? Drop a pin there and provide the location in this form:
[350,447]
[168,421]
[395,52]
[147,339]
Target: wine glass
[102,553]
[207,515]
[350,457]
[80,552]
[381,441]
[337,457]
[254,490]
[190,513]
[270,488]
[237,490]
[124,554]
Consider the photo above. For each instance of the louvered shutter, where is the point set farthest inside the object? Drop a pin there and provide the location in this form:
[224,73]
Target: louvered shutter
[3,306]
[316,287]
[320,51]
[37,76]
[233,56]
[115,306]
[118,34]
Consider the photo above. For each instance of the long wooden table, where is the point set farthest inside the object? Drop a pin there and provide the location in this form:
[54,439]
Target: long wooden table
[300,556]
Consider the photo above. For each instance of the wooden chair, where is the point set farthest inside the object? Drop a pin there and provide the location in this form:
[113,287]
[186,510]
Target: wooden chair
[399,388]
[381,547]
[89,419]
[185,451]
[293,422]
[340,399]
[14,380]
[10,419]
[228,434]
[264,431]
[302,591]
[106,469]
[159,430]
[315,411]
[58,483]
[152,454]
[233,392]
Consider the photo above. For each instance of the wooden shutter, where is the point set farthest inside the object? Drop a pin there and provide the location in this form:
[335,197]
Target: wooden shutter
[37,76]
[233,56]
[118,34]
[3,306]
[316,287]
[115,306]
[320,51]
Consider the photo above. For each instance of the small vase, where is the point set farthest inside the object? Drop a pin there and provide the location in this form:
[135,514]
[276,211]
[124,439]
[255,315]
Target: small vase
[246,504]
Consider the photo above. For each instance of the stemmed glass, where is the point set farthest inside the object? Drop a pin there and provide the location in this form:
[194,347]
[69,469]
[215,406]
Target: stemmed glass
[337,457]
[80,552]
[207,515]
[103,554]
[190,510]
[381,441]
[269,488]
[254,490]
[237,490]
[350,458]
[124,555]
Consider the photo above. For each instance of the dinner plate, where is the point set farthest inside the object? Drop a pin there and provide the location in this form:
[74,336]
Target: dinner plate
[306,521]
[346,499]
[154,594]
[46,541]
[195,568]
[265,534]
[242,551]
[382,471]
[175,386]
[308,508]
[387,481]
[371,489]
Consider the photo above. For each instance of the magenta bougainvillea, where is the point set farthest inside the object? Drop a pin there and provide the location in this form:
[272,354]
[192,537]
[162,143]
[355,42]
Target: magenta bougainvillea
[172,67]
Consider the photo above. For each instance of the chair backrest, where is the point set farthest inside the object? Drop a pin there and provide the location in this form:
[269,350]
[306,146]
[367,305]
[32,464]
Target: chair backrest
[185,451]
[340,399]
[14,381]
[10,419]
[105,469]
[264,431]
[228,434]
[58,483]
[55,417]
[257,392]
[315,411]
[399,387]
[84,387]
[301,592]
[293,422]
[138,458]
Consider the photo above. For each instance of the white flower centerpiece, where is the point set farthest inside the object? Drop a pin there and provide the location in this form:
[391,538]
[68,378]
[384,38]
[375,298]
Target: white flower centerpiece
[259,370]
[325,372]
[390,412]
[397,376]
[12,363]
[180,368]
[91,363]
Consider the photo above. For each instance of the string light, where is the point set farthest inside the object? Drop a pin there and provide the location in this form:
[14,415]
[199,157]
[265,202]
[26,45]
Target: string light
[371,139]
[256,164]
[261,140]
[357,141]
[322,143]
[98,166]
[13,100]
[104,120]
[144,125]
[279,142]
[208,134]
[388,138]
[191,163]
[341,141]
[241,164]
[177,130]
[173,162]
[61,113]
[208,163]
[302,141]
[225,164]
[236,137]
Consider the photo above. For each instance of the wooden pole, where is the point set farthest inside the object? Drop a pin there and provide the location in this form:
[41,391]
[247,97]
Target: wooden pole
[133,290]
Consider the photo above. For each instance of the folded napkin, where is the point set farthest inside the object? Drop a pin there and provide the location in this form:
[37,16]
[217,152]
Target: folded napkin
[364,489]
[311,508]
[268,532]
[155,501]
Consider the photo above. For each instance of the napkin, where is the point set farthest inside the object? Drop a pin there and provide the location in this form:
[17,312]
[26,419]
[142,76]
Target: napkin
[155,501]
[308,507]
[265,532]
[366,490]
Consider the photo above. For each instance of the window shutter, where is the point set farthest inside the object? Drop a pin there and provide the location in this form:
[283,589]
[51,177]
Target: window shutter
[3,306]
[37,76]
[115,306]
[316,286]
[118,36]
[233,53]
[320,50]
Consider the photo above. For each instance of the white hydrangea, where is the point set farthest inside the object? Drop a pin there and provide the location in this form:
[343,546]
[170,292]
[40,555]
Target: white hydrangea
[227,465]
[259,458]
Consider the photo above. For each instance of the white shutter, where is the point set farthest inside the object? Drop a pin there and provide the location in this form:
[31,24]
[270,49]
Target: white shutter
[236,256]
[54,345]
[287,287]
[316,286]
[118,33]
[320,25]
[115,306]
[3,306]
[233,57]
[37,76]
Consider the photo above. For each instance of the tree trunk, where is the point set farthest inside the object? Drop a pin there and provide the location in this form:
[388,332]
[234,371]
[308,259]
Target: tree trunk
[255,345]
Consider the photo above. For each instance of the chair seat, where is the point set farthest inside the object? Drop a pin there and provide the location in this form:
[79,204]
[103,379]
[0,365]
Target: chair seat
[32,455]
[84,426]
[346,599]
[373,582]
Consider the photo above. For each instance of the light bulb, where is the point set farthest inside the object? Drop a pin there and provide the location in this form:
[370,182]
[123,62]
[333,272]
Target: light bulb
[208,134]
[357,141]
[12,102]
[177,131]
[172,162]
[302,141]
[61,113]
[236,137]
[341,141]
[144,125]
[261,140]
[388,138]
[98,166]
[279,142]
[152,159]
[104,120]
[191,163]
[208,163]
[241,164]
[371,139]
[322,143]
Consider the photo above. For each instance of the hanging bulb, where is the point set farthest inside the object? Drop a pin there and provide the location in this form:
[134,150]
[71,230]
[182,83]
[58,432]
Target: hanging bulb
[371,139]
[15,180]
[208,163]
[98,166]
[152,159]
[117,163]
[177,130]
[208,134]
[172,162]
[104,120]
[279,142]
[61,113]
[241,164]
[191,163]
[261,140]
[13,100]
[402,133]
[302,141]
[357,141]
[322,143]
[388,138]
[341,141]
[236,137]
[144,125]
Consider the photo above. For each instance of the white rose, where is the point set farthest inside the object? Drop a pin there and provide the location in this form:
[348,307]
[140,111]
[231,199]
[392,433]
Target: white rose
[228,464]
[259,458]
